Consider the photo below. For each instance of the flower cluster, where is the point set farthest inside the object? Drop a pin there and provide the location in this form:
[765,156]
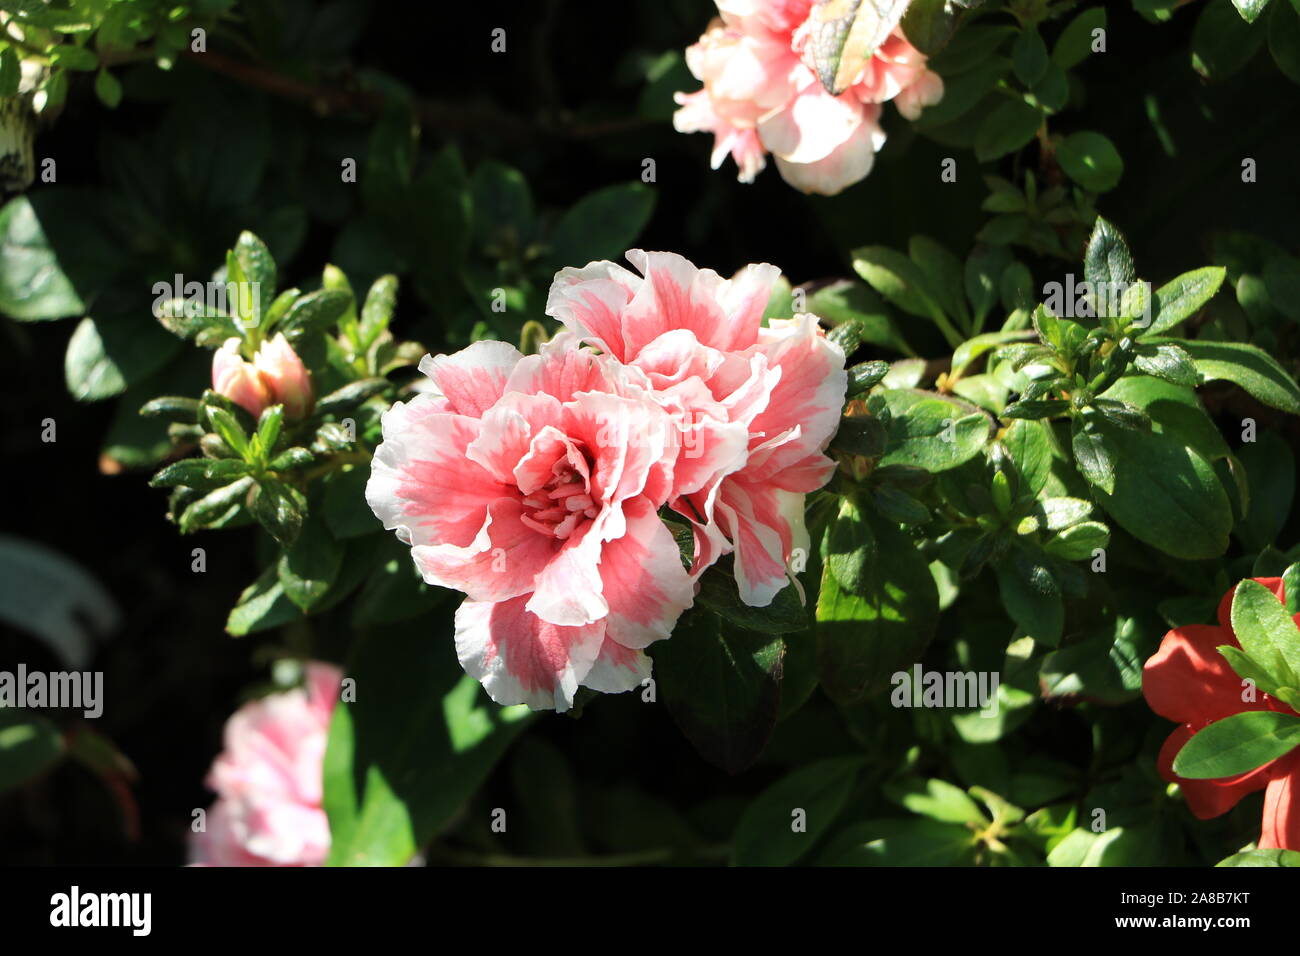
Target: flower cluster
[534,483]
[268,780]
[762,94]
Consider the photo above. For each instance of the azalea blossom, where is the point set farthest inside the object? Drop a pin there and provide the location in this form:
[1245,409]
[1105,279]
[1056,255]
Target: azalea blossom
[1191,683]
[533,484]
[762,95]
[275,376]
[763,400]
[268,780]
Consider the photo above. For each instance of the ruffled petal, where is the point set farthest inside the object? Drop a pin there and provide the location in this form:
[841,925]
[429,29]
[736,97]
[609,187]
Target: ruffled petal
[521,659]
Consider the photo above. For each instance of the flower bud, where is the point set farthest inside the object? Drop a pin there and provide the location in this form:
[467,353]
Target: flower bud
[285,376]
[239,380]
[275,376]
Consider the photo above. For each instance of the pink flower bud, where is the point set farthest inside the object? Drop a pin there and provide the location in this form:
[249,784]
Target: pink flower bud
[239,380]
[275,376]
[285,375]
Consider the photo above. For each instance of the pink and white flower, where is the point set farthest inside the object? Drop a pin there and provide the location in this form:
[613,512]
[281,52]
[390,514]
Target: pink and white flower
[533,485]
[761,94]
[268,780]
[761,401]
[275,376]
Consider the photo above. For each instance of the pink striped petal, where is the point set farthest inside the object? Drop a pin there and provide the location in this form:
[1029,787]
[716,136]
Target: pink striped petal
[617,669]
[502,562]
[645,584]
[421,484]
[521,659]
[475,377]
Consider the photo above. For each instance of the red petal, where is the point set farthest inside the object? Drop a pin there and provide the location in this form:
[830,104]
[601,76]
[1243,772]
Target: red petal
[1281,828]
[1188,681]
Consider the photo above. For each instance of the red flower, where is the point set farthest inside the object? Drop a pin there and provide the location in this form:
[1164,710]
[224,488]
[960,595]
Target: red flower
[1190,682]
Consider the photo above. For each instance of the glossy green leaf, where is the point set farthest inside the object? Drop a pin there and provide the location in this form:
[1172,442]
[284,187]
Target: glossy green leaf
[1238,744]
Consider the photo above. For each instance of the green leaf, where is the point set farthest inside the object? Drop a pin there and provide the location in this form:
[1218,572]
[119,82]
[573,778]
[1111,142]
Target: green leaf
[29,745]
[279,508]
[1105,667]
[258,266]
[944,273]
[1078,542]
[1075,42]
[1094,456]
[863,638]
[848,300]
[764,834]
[10,72]
[1262,858]
[32,282]
[417,742]
[865,375]
[1032,596]
[315,312]
[108,89]
[268,431]
[931,432]
[1009,126]
[351,395]
[1284,44]
[929,24]
[225,424]
[377,311]
[1250,9]
[1248,366]
[215,506]
[194,471]
[1116,846]
[1173,410]
[1184,296]
[310,566]
[1031,451]
[1167,362]
[1107,262]
[1222,42]
[1029,56]
[107,355]
[261,606]
[850,548]
[1291,588]
[973,348]
[722,686]
[1238,744]
[914,842]
[1266,632]
[69,56]
[1163,493]
[1247,669]
[602,225]
[1091,160]
[936,799]
[898,279]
